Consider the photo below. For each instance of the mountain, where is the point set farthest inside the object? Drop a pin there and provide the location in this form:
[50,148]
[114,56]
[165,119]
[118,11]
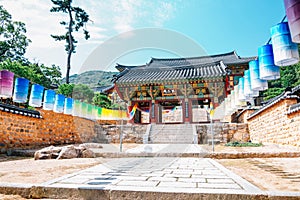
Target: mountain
[93,79]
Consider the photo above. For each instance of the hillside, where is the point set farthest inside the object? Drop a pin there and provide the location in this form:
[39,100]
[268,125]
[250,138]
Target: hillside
[92,78]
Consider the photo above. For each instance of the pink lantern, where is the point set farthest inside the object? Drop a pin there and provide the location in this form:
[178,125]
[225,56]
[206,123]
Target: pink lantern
[292,9]
[6,83]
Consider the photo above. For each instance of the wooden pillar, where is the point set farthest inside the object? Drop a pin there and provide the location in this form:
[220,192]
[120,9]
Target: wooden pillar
[153,111]
[186,110]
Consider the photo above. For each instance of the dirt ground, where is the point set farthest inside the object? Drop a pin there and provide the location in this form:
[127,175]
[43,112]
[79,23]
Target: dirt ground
[39,171]
[270,174]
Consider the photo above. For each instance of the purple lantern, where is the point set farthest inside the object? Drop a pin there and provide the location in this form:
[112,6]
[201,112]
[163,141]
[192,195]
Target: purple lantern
[292,9]
[6,83]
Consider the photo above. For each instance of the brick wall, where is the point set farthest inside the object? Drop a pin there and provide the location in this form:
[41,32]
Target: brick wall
[274,125]
[18,131]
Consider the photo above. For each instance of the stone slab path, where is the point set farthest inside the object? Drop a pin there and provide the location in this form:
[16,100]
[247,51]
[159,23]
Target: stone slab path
[158,174]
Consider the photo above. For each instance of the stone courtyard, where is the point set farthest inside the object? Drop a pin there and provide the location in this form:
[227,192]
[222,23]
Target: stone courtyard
[155,177]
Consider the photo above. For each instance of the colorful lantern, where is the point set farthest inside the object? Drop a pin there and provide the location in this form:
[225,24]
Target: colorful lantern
[89,111]
[77,108]
[241,89]
[49,98]
[232,100]
[99,113]
[59,103]
[36,95]
[6,83]
[267,69]
[248,92]
[256,82]
[285,51]
[228,108]
[21,90]
[292,9]
[69,104]
[84,110]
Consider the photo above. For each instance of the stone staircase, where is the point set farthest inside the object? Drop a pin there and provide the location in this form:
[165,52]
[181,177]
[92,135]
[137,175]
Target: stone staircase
[171,134]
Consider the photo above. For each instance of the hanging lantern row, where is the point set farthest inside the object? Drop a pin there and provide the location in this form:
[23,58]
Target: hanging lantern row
[49,100]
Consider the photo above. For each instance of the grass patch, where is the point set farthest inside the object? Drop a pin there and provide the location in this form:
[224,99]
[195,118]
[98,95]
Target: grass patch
[243,144]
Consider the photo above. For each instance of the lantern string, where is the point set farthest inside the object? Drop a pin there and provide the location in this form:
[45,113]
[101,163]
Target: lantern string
[280,22]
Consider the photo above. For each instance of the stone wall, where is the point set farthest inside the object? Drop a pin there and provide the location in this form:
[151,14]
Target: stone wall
[243,115]
[18,131]
[130,133]
[223,132]
[274,125]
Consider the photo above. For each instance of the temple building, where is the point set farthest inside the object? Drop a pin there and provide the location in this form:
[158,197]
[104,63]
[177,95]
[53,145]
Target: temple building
[179,90]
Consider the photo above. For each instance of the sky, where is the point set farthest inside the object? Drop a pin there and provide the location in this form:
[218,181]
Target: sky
[131,32]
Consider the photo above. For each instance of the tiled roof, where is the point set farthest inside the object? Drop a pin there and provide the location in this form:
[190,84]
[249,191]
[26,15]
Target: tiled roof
[226,58]
[292,93]
[294,108]
[145,75]
[178,69]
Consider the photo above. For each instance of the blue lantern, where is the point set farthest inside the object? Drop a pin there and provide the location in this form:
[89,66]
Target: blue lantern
[59,103]
[69,104]
[21,90]
[49,98]
[248,92]
[256,82]
[267,69]
[285,51]
[36,95]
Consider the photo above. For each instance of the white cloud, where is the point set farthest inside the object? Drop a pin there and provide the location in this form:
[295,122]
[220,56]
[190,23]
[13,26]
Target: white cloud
[108,18]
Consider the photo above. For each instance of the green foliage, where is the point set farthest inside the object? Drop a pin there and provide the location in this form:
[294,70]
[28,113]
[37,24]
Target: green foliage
[77,20]
[66,89]
[36,73]
[83,93]
[13,41]
[289,77]
[243,144]
[102,101]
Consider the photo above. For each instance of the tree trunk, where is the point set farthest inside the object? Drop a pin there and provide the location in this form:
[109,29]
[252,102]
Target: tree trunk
[70,51]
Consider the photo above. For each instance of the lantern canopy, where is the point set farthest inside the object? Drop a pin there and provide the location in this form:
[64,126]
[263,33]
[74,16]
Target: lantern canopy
[256,82]
[21,90]
[267,69]
[49,98]
[6,83]
[59,103]
[292,9]
[69,104]
[36,95]
[285,51]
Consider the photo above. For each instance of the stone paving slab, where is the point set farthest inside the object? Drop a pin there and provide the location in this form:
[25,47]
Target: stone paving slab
[158,175]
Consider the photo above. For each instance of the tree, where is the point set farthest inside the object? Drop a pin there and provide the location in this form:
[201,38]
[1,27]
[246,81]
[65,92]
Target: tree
[83,93]
[77,20]
[102,100]
[13,39]
[36,73]
[289,77]
[66,89]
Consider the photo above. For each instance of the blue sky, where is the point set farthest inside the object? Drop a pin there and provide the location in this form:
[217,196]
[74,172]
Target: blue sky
[217,26]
